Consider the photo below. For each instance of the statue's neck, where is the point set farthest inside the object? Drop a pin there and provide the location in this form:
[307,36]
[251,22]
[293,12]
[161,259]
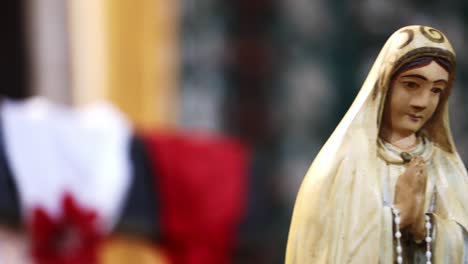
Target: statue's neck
[404,142]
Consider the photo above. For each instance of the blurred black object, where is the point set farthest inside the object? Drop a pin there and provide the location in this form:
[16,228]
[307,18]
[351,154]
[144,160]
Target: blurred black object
[140,216]
[14,57]
[9,199]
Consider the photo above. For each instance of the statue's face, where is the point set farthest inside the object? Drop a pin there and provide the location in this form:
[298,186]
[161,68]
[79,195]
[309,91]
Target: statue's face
[413,98]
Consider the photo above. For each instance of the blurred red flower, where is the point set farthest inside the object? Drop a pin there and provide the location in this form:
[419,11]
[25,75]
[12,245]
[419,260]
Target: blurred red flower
[71,239]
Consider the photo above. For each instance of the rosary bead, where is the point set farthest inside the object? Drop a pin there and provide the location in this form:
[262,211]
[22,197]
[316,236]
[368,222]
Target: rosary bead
[428,225]
[399,249]
[398,235]
[397,220]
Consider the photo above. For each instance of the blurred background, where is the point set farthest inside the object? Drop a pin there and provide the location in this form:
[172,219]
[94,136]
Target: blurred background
[277,75]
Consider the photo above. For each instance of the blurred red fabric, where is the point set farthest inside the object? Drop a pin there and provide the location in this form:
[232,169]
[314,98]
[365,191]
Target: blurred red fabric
[202,185]
[73,238]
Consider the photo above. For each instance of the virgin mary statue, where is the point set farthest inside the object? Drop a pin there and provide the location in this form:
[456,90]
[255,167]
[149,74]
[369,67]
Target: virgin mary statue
[388,185]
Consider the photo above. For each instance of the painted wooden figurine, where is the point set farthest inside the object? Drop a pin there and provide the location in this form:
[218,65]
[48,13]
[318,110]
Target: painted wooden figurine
[389,186]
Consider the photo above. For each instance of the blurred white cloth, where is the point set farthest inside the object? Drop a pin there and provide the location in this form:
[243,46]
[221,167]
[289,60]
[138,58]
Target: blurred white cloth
[52,150]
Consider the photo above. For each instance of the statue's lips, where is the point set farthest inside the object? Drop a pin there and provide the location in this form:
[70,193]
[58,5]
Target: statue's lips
[415,118]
